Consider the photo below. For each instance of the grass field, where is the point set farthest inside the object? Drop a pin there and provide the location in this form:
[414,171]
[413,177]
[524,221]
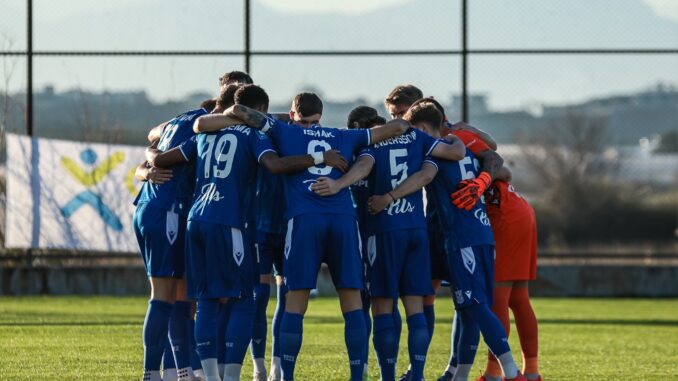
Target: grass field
[85,338]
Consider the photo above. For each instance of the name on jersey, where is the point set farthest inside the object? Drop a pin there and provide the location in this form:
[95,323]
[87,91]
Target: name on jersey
[318,133]
[401,206]
[241,128]
[402,139]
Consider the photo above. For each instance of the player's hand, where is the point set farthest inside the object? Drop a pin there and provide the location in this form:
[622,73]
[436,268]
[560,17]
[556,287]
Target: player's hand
[334,159]
[469,191]
[377,203]
[159,175]
[325,186]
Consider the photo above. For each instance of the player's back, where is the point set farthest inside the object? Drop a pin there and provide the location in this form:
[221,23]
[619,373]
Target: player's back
[462,228]
[226,163]
[270,202]
[395,160]
[178,190]
[296,140]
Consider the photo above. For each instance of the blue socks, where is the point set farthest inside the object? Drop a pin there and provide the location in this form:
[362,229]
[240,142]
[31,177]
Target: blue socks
[195,359]
[291,333]
[179,330]
[368,322]
[417,343]
[262,292]
[488,323]
[239,329]
[386,345]
[397,320]
[355,335]
[206,328]
[277,319]
[168,357]
[155,333]
[454,346]
[469,337]
[430,313]
[222,322]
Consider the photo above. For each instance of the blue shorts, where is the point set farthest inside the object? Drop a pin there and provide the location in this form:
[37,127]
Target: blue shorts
[270,252]
[160,234]
[399,264]
[472,275]
[219,263]
[320,237]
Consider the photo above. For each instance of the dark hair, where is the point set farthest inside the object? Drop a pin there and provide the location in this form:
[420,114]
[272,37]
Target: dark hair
[235,77]
[435,103]
[306,104]
[364,117]
[403,95]
[426,112]
[251,96]
[209,104]
[227,96]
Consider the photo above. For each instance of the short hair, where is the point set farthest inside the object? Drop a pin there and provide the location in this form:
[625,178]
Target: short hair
[426,112]
[251,96]
[227,96]
[209,104]
[306,104]
[364,117]
[235,77]
[403,95]
[435,103]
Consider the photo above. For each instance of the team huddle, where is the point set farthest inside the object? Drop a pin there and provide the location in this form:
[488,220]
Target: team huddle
[235,197]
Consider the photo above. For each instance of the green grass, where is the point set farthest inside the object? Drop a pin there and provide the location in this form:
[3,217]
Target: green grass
[85,338]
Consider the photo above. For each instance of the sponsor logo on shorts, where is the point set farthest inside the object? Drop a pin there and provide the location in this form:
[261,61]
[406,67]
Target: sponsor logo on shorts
[459,296]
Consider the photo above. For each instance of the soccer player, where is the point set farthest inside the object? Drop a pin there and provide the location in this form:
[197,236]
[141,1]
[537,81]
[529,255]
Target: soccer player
[271,226]
[159,224]
[397,247]
[320,229]
[235,77]
[470,253]
[515,232]
[219,264]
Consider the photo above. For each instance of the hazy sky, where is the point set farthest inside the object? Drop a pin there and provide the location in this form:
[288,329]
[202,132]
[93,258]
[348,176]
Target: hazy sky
[509,80]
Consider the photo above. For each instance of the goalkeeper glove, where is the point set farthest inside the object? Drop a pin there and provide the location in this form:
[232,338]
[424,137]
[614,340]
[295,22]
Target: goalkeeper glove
[469,191]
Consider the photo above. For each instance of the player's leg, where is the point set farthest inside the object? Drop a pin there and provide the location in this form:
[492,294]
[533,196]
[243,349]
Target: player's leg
[384,338]
[304,241]
[169,368]
[222,323]
[414,277]
[238,335]
[281,294]
[195,359]
[180,332]
[262,294]
[526,324]
[469,337]
[149,227]
[451,369]
[500,307]
[346,267]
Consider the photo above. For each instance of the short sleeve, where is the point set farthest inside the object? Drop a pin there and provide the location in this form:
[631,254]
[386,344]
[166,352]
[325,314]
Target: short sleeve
[273,127]
[189,148]
[359,137]
[428,142]
[260,144]
[367,151]
[472,141]
[431,160]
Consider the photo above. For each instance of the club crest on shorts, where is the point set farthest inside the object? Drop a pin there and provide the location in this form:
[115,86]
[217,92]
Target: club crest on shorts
[469,259]
[238,256]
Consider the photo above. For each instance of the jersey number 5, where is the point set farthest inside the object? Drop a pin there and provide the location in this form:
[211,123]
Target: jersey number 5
[398,170]
[223,161]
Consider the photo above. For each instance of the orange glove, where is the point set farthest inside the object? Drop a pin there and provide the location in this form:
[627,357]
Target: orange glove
[469,191]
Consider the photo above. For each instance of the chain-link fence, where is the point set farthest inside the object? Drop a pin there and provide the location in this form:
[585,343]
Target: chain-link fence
[582,96]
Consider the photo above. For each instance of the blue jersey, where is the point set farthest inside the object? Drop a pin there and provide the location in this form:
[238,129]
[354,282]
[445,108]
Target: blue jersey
[295,140]
[226,168]
[360,192]
[395,160]
[462,228]
[270,203]
[175,193]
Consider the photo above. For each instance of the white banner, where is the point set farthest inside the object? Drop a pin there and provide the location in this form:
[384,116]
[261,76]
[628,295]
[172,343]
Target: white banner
[64,194]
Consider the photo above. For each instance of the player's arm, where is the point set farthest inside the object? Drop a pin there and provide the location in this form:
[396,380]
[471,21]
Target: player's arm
[418,180]
[491,162]
[388,130]
[484,136]
[455,150]
[214,122]
[290,164]
[144,172]
[156,132]
[326,186]
[167,158]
